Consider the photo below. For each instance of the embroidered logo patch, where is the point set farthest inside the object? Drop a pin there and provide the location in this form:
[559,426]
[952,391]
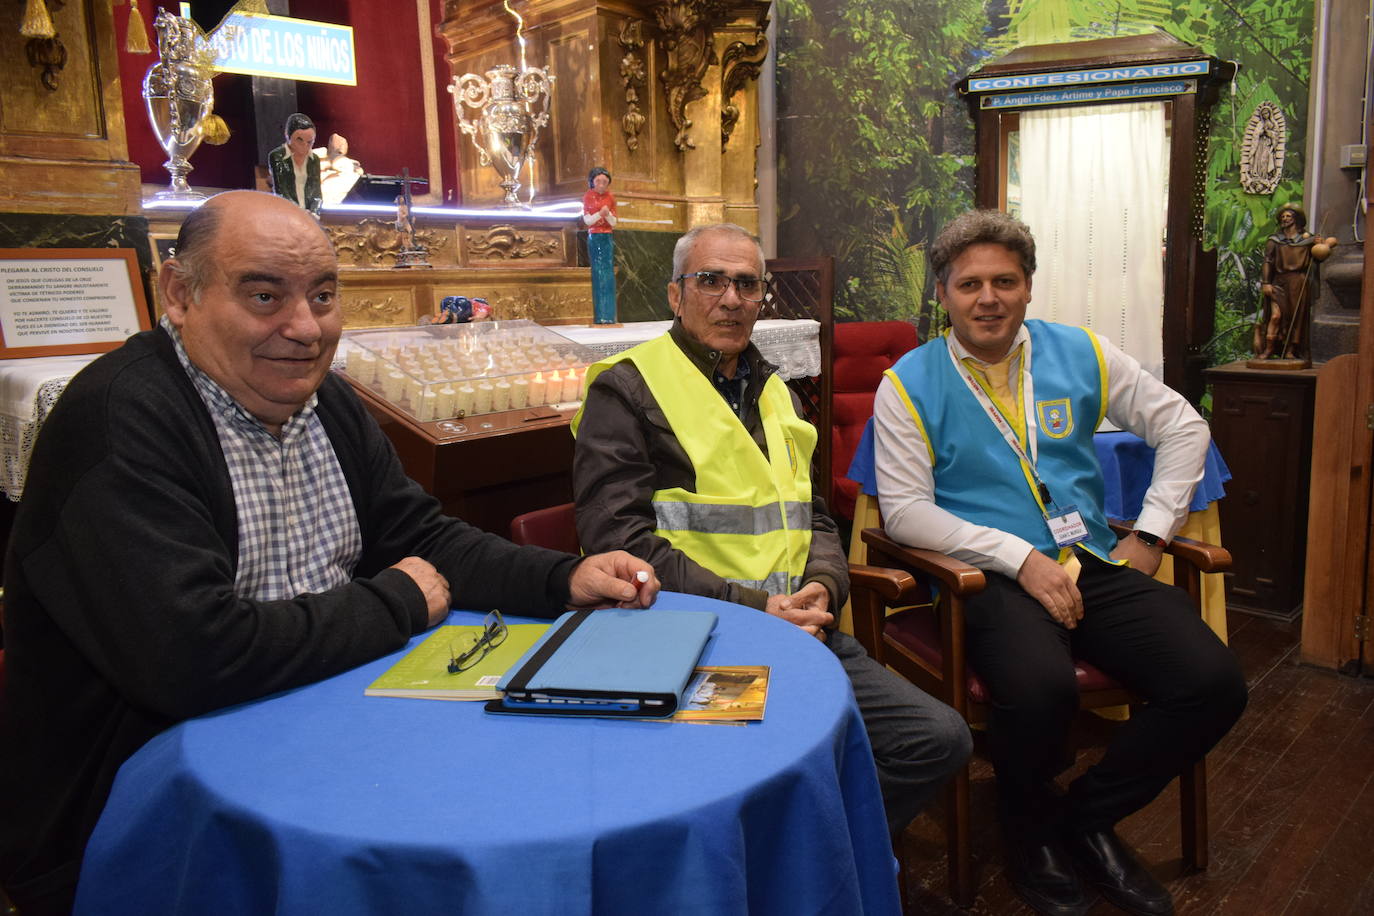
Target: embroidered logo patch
[1056,417]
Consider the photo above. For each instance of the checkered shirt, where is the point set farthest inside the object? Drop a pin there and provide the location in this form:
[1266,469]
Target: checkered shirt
[298,532]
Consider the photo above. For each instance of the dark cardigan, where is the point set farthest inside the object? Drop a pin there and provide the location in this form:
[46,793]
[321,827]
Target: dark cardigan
[120,612]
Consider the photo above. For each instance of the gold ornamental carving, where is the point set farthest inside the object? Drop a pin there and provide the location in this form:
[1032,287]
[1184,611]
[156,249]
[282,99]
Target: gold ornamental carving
[633,77]
[742,62]
[686,30]
[377,243]
[507,243]
[364,311]
[541,305]
[49,56]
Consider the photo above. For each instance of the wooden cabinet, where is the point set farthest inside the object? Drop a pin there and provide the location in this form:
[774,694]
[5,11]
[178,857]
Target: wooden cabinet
[1262,423]
[485,469]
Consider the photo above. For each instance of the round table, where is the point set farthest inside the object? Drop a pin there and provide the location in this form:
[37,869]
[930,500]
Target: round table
[323,800]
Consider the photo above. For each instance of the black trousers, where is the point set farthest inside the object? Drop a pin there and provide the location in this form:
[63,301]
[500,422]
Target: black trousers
[1145,634]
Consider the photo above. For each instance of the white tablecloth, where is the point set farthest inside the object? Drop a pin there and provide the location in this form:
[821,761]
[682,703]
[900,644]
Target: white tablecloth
[793,345]
[28,390]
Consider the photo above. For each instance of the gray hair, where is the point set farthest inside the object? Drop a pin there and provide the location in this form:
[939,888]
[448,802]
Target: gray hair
[979,227]
[682,251]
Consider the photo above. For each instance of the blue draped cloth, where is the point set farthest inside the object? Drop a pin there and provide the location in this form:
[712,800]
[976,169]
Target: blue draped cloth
[323,800]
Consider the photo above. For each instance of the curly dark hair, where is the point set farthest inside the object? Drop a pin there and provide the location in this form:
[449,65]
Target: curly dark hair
[977,227]
[591,176]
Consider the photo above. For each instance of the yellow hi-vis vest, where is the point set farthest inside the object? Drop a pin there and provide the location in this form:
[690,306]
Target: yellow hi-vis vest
[749,520]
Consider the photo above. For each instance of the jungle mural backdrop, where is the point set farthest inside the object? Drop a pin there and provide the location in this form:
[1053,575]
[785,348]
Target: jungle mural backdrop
[875,147]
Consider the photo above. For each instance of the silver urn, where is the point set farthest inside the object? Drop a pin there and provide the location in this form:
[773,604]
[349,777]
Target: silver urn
[179,97]
[511,106]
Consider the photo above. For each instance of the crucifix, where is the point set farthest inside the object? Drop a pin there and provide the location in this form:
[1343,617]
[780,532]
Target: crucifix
[412,254]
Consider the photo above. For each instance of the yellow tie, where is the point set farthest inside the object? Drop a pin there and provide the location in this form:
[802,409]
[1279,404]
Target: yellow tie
[996,375]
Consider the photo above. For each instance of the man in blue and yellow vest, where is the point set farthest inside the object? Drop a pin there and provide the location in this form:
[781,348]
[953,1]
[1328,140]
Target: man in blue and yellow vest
[985,452]
[691,456]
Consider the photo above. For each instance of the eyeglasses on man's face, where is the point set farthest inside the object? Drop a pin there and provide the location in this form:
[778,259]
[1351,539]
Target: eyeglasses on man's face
[711,283]
[492,635]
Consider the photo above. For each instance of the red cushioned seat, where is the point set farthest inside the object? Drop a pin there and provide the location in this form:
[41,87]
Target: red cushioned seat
[863,351]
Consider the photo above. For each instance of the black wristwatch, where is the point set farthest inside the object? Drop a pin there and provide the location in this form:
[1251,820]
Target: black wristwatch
[1148,539]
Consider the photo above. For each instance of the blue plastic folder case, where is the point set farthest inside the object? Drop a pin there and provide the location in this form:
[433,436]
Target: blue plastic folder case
[607,663]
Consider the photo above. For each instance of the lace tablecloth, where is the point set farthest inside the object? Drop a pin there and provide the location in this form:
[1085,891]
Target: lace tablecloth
[28,389]
[793,345]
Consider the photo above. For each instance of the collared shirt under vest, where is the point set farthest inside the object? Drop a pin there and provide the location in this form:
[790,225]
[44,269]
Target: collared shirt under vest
[977,475]
[749,520]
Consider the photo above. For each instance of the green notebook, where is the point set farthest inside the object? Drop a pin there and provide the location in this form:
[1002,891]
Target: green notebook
[423,672]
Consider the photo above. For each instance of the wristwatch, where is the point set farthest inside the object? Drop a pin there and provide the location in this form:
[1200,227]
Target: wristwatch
[1149,539]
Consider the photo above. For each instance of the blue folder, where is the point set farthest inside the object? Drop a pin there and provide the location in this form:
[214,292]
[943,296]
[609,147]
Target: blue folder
[607,663]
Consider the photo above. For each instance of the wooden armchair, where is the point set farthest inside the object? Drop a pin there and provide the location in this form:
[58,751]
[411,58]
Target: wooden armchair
[926,646]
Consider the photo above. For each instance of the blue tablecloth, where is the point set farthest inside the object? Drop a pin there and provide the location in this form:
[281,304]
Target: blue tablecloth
[322,800]
[1127,465]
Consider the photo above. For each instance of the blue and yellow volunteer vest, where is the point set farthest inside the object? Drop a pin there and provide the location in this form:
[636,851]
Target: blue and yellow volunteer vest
[749,520]
[977,475]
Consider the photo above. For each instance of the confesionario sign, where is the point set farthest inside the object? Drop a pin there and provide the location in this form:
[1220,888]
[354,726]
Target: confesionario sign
[1129,73]
[296,49]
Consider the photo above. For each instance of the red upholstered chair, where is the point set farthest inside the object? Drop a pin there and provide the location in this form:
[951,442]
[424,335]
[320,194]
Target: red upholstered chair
[926,646]
[863,350]
[554,528]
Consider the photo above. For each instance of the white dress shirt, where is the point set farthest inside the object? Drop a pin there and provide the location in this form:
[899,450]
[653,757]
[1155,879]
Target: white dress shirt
[1136,401]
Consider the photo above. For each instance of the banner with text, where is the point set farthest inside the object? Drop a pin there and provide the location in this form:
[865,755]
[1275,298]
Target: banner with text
[295,49]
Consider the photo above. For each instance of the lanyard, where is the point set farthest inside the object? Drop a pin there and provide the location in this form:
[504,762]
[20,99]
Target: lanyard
[999,421]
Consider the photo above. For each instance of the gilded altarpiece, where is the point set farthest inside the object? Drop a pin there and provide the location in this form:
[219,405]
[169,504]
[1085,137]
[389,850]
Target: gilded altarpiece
[664,94]
[62,144]
[525,269]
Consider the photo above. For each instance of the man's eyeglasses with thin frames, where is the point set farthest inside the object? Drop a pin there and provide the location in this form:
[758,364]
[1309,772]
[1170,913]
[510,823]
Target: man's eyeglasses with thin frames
[493,634]
[710,283]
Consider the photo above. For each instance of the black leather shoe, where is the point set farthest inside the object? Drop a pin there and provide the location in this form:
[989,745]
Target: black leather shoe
[1042,873]
[1106,863]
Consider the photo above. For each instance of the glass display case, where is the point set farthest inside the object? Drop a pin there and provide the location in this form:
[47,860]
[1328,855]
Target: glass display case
[452,371]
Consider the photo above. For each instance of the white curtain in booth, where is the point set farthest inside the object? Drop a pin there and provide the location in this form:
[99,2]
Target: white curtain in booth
[1093,190]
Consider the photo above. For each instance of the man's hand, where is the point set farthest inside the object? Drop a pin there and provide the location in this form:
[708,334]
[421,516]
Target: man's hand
[1047,582]
[431,583]
[613,579]
[1140,555]
[808,607]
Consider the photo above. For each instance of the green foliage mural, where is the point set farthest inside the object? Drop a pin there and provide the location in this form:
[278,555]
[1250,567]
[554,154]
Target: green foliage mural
[864,111]
[875,146]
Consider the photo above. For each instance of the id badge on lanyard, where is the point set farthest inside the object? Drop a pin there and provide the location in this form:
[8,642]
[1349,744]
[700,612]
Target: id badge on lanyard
[1066,525]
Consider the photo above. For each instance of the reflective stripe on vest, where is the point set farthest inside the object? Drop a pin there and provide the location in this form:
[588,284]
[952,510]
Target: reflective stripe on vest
[749,519]
[676,516]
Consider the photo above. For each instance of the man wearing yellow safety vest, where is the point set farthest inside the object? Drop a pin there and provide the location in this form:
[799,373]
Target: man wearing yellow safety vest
[984,442]
[691,456]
